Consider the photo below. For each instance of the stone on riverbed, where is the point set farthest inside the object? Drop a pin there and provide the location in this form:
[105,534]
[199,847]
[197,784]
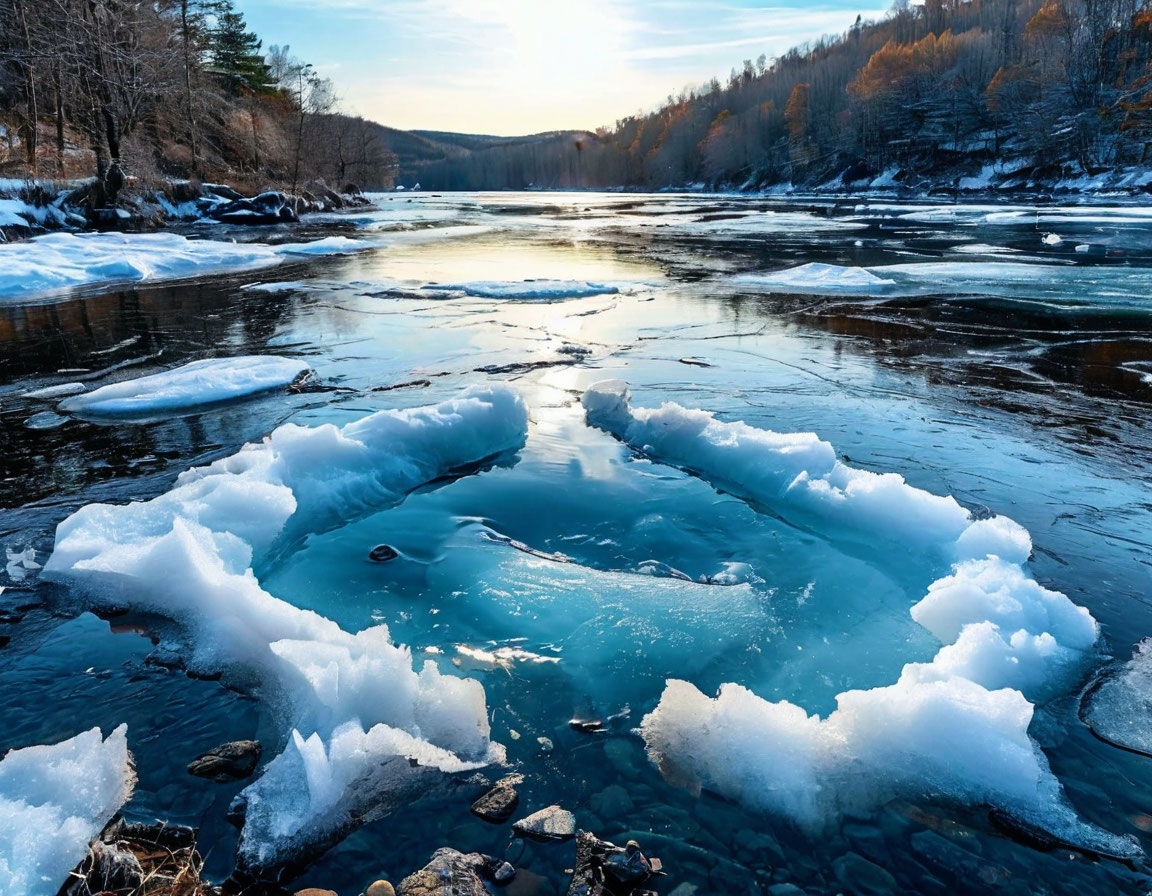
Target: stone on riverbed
[228,762]
[380,888]
[604,869]
[498,804]
[450,873]
[551,825]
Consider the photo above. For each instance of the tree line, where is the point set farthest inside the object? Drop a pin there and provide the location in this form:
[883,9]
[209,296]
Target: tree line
[168,89]
[934,90]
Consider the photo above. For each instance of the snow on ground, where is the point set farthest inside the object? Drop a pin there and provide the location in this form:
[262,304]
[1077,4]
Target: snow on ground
[54,800]
[62,261]
[355,709]
[955,727]
[193,385]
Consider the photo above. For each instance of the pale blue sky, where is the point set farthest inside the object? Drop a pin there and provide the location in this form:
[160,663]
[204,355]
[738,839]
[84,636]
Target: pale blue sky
[523,66]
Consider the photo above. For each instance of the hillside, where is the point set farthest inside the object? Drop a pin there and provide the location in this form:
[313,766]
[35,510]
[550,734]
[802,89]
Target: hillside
[951,94]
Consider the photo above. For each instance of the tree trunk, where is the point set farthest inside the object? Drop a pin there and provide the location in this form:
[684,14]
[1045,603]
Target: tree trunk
[185,35]
[30,88]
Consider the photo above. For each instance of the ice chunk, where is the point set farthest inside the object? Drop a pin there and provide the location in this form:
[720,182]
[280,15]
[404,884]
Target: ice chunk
[61,261]
[189,555]
[950,739]
[816,278]
[54,800]
[193,385]
[955,726]
[1118,705]
[316,791]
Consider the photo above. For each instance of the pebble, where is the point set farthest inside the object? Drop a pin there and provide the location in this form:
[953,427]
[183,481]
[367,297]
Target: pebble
[380,888]
[316,891]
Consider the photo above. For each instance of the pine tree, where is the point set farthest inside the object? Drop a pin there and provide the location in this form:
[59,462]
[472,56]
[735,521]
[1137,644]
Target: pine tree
[234,53]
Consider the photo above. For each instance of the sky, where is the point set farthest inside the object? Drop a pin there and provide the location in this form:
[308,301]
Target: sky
[526,66]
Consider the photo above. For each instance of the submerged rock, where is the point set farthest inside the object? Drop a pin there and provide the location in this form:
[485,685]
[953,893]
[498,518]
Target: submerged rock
[382,553]
[380,888]
[228,762]
[449,873]
[498,804]
[550,825]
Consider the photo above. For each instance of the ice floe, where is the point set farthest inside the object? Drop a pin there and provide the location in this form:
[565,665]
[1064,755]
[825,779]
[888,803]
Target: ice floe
[196,384]
[955,727]
[62,261]
[1118,705]
[54,800]
[816,278]
[351,705]
[1066,284]
[541,290]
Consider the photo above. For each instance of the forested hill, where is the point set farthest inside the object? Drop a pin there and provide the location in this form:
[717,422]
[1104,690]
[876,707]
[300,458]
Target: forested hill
[949,92]
[168,89]
[450,161]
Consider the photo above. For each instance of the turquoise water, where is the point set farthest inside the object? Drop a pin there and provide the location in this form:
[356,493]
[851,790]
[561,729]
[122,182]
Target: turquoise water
[1020,401]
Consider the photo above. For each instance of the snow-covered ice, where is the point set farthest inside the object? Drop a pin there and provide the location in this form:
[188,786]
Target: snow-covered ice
[956,726]
[816,278]
[542,290]
[351,703]
[54,800]
[62,261]
[193,385]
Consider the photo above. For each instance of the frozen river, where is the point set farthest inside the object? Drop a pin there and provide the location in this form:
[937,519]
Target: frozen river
[913,696]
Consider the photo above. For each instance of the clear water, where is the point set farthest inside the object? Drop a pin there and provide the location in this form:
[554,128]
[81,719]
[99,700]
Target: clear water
[1029,398]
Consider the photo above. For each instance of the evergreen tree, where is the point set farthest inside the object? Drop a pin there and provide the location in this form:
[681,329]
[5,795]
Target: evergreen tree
[234,53]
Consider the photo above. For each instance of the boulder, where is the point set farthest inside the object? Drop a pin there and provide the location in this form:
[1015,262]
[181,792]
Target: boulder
[550,825]
[862,878]
[449,873]
[229,762]
[604,869]
[380,888]
[498,804]
[263,210]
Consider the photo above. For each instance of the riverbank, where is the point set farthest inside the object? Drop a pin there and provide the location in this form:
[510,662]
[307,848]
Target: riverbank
[29,209]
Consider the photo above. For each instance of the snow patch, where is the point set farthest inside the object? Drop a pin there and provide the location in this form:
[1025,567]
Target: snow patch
[62,261]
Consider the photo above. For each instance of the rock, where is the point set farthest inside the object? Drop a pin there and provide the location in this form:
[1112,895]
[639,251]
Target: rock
[449,873]
[382,553]
[685,890]
[604,869]
[263,210]
[612,802]
[550,825]
[315,891]
[380,888]
[498,804]
[861,877]
[785,890]
[229,762]
[504,872]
